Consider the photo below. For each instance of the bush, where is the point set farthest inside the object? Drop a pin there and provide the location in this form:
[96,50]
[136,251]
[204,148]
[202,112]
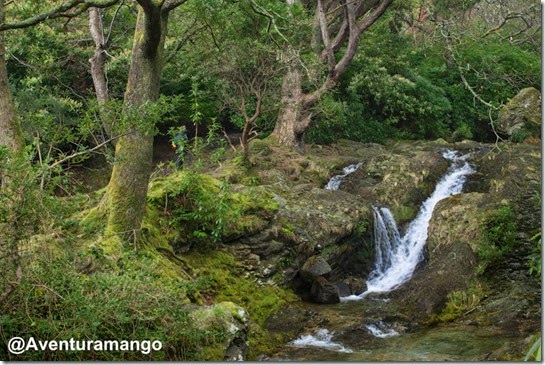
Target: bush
[56,301]
[498,239]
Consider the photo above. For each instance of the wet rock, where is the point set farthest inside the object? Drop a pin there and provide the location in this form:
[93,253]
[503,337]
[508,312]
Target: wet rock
[521,114]
[314,266]
[400,177]
[356,285]
[344,289]
[322,291]
[453,236]
[289,320]
[351,286]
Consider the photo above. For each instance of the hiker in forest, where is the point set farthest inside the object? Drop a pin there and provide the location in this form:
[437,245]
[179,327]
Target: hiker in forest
[179,142]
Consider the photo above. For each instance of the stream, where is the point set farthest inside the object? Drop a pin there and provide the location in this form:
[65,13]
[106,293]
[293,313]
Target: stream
[351,336]
[361,328]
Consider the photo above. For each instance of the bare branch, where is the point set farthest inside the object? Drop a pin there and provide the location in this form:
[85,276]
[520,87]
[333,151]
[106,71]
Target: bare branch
[80,153]
[61,11]
[172,4]
[113,20]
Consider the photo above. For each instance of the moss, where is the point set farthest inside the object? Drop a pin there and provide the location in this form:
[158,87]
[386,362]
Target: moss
[499,237]
[94,221]
[199,206]
[226,283]
[460,302]
[404,213]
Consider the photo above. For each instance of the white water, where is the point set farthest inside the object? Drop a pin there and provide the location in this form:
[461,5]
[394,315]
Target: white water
[335,182]
[381,330]
[396,256]
[321,339]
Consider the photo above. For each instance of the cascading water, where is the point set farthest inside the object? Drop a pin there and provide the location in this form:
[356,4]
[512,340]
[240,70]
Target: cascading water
[321,339]
[335,182]
[396,256]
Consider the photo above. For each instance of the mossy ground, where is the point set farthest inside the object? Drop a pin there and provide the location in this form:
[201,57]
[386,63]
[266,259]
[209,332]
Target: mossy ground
[209,275]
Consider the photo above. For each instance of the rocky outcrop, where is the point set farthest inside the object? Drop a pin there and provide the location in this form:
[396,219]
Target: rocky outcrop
[453,236]
[315,233]
[229,320]
[507,177]
[521,115]
[400,177]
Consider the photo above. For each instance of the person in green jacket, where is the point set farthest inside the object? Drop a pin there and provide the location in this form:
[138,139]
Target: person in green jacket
[179,143]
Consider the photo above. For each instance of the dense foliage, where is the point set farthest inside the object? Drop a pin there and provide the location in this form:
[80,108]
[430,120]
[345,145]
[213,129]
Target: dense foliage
[442,75]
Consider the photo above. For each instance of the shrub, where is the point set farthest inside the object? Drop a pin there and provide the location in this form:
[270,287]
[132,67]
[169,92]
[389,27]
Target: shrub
[498,239]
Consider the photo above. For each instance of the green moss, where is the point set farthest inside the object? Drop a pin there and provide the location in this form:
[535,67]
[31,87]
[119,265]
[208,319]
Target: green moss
[226,283]
[498,238]
[94,221]
[200,208]
[404,213]
[460,302]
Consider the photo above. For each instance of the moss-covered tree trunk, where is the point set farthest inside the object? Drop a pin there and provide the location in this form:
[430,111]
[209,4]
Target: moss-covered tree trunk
[11,135]
[127,189]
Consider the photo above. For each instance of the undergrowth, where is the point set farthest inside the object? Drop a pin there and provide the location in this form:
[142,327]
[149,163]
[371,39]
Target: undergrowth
[498,238]
[62,298]
[461,302]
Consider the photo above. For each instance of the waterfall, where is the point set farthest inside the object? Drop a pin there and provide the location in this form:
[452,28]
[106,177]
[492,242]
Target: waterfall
[335,182]
[396,256]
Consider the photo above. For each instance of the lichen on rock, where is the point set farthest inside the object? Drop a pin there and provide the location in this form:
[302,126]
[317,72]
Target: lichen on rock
[521,116]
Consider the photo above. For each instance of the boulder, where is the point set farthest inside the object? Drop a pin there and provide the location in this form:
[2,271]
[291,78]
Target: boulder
[351,286]
[322,291]
[232,321]
[344,289]
[314,266]
[522,114]
[356,285]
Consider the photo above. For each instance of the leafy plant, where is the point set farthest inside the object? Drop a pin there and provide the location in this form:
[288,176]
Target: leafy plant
[498,239]
[535,351]
[535,258]
[460,302]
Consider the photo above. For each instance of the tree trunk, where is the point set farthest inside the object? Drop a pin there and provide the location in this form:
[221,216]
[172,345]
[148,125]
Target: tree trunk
[333,31]
[98,63]
[294,116]
[127,190]
[11,134]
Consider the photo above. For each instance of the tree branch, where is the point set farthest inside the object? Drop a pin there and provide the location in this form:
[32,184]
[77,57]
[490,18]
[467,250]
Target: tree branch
[61,11]
[80,153]
[172,4]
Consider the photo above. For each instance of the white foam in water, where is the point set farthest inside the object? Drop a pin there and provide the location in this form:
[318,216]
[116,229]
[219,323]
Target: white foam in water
[321,339]
[396,256]
[381,330]
[335,182]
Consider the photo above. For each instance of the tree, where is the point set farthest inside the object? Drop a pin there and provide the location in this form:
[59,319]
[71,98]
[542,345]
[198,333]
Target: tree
[11,135]
[18,192]
[127,189]
[244,59]
[338,26]
[98,64]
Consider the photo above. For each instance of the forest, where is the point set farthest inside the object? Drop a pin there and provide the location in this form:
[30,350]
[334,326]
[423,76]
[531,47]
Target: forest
[231,179]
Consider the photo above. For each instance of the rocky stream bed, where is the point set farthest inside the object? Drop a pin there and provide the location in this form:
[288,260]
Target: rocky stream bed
[320,243]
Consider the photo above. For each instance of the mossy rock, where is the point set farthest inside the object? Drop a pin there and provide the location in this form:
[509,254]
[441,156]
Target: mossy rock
[521,115]
[228,325]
